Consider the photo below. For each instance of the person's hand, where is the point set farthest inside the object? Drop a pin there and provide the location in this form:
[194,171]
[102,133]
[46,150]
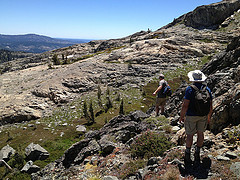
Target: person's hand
[154,94]
[181,120]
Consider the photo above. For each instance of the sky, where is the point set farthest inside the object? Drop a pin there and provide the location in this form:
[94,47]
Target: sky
[90,19]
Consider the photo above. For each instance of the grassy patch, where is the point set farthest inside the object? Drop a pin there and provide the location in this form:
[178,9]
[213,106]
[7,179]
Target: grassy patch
[158,121]
[206,40]
[131,168]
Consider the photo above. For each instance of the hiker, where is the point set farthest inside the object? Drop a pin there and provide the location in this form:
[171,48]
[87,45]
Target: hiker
[195,121]
[161,97]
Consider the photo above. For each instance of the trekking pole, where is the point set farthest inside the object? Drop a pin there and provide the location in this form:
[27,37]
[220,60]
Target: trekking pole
[6,164]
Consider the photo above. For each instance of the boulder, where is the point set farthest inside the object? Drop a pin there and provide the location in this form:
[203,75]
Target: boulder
[81,128]
[107,145]
[36,152]
[92,148]
[20,114]
[71,153]
[222,158]
[6,152]
[30,168]
[179,138]
[139,115]
[231,155]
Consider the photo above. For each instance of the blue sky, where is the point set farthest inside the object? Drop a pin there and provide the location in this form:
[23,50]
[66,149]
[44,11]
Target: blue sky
[90,19]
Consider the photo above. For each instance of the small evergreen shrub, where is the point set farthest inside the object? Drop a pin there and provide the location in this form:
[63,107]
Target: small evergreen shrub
[150,144]
[121,111]
[55,59]
[17,161]
[99,93]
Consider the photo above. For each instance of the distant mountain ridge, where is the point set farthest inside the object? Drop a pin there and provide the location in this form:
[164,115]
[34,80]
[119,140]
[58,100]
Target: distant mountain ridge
[34,43]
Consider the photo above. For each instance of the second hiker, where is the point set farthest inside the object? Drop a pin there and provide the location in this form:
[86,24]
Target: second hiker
[161,97]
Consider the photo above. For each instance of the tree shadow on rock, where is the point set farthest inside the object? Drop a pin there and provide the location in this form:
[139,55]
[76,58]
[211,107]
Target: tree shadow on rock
[199,170]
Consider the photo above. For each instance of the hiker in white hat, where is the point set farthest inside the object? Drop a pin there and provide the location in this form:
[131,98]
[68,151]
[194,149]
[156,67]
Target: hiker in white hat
[196,76]
[197,107]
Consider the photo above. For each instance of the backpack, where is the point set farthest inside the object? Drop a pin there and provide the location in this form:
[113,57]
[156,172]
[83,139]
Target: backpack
[167,90]
[202,101]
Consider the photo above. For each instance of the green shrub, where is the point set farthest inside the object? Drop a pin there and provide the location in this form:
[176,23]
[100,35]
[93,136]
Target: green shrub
[17,161]
[150,144]
[167,128]
[234,136]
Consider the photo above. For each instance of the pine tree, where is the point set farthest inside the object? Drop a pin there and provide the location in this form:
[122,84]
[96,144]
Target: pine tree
[99,92]
[108,104]
[121,108]
[108,91]
[118,97]
[91,112]
[85,111]
[55,59]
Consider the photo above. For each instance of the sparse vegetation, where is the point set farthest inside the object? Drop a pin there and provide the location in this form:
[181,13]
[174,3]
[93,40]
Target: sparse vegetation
[131,168]
[207,40]
[159,121]
[55,59]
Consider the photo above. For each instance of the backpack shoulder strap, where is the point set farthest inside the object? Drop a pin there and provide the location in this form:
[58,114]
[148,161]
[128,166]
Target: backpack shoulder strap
[164,83]
[194,87]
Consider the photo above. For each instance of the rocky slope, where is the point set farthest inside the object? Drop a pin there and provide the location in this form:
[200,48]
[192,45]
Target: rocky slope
[31,93]
[223,74]
[223,79]
[28,93]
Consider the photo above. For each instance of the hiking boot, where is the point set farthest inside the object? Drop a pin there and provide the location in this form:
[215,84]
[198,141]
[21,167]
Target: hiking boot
[187,159]
[197,157]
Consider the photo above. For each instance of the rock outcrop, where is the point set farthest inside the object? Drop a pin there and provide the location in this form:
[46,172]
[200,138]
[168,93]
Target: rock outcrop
[208,16]
[30,168]
[6,152]
[36,152]
[211,16]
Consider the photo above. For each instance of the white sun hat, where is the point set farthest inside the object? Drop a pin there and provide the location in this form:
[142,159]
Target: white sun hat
[196,76]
